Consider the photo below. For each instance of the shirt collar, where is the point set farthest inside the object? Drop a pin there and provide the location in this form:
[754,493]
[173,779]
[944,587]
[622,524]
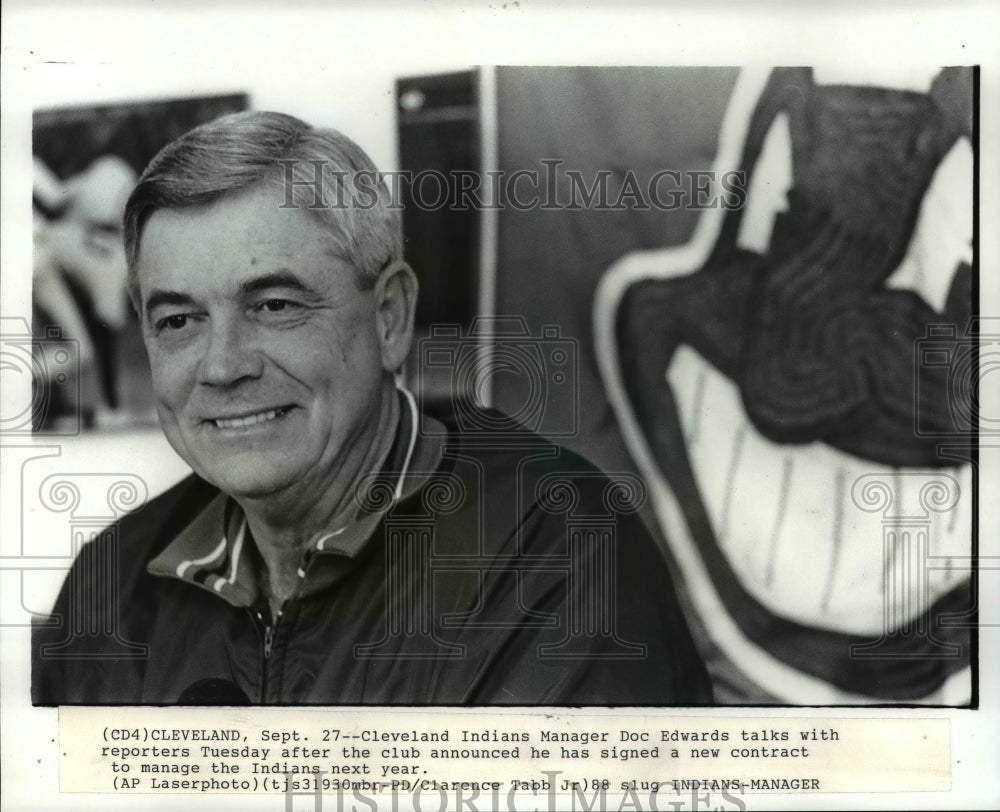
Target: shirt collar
[215,550]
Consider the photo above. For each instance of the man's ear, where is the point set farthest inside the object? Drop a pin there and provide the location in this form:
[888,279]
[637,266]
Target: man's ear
[395,305]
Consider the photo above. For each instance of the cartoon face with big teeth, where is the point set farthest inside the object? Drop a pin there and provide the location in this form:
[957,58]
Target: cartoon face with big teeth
[764,379]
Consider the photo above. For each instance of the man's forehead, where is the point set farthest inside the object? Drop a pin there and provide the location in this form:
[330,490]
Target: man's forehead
[258,214]
[229,240]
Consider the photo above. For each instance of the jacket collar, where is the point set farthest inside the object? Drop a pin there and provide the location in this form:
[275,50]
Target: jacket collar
[216,550]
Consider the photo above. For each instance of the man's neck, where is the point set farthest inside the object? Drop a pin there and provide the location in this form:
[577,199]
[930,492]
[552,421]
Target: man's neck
[283,525]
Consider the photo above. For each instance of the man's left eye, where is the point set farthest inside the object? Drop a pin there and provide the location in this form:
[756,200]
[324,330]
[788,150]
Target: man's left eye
[275,306]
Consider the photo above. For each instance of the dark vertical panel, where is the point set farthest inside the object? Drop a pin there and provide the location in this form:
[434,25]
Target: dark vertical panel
[550,260]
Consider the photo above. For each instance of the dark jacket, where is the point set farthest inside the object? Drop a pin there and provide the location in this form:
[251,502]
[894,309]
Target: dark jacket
[514,575]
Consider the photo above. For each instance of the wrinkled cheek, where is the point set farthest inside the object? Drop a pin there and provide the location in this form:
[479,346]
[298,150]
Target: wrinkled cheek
[171,430]
[168,406]
[166,390]
[172,379]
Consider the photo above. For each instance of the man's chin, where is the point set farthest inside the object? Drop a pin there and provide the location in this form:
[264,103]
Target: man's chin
[249,475]
[249,485]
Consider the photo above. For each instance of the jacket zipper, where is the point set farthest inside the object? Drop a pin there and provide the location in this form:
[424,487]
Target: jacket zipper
[268,642]
[269,632]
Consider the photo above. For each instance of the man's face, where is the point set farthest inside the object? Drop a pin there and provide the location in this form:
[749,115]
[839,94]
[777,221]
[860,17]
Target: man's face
[265,355]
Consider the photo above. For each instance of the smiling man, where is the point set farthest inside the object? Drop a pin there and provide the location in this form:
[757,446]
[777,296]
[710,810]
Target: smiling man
[335,546]
[270,370]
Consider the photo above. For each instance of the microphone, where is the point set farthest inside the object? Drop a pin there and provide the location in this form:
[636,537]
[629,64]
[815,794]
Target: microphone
[213,691]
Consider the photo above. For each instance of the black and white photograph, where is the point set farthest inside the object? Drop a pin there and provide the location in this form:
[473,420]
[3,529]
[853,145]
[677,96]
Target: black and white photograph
[484,411]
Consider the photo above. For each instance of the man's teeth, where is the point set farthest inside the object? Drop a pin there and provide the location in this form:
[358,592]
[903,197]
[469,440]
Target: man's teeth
[249,420]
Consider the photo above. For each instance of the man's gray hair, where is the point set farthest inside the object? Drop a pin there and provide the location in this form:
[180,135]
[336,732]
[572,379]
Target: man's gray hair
[320,170]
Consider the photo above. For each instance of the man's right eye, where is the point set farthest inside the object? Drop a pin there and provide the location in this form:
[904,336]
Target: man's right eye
[177,321]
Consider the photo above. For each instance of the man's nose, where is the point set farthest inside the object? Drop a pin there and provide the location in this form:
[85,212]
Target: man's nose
[231,353]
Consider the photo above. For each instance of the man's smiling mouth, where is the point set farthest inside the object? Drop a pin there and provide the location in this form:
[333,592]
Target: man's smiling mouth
[246,421]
